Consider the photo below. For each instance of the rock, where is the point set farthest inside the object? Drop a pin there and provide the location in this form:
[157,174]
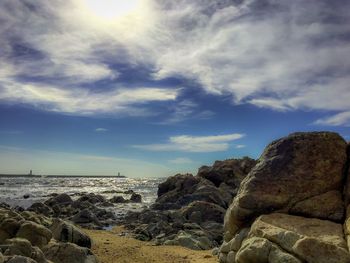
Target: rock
[92,198]
[200,211]
[117,200]
[59,199]
[135,198]
[315,206]
[309,239]
[175,187]
[66,232]
[41,208]
[85,216]
[37,234]
[68,252]
[18,246]
[2,259]
[263,251]
[231,257]
[26,196]
[231,171]
[283,177]
[21,259]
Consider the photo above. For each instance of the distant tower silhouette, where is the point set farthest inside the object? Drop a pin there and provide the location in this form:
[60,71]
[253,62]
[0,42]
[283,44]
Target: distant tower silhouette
[30,173]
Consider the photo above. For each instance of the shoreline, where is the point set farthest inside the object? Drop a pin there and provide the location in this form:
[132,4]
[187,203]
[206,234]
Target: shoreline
[110,247]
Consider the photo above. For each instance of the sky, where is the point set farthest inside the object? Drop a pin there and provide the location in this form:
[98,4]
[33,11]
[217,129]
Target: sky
[154,87]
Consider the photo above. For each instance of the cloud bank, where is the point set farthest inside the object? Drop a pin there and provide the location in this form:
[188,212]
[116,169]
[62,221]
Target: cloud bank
[282,55]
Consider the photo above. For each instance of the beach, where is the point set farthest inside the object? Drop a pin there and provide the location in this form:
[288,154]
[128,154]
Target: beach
[110,247]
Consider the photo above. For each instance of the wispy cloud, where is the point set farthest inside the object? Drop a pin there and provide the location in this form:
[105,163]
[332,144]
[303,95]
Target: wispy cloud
[186,143]
[101,130]
[84,102]
[340,119]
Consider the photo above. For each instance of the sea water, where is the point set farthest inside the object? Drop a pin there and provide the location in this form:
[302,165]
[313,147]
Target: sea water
[13,190]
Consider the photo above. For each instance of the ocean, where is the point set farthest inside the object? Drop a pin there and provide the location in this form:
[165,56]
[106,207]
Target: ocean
[39,189]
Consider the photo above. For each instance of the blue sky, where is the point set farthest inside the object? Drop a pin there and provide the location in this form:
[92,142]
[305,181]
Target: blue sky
[155,87]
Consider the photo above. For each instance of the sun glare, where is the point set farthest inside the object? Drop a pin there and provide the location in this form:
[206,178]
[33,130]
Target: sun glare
[110,10]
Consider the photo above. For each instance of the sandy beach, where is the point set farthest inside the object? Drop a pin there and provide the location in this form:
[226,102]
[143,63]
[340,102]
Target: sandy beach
[110,247]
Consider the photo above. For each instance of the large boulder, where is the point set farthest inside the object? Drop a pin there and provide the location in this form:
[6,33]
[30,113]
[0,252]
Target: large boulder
[293,174]
[37,234]
[68,252]
[67,232]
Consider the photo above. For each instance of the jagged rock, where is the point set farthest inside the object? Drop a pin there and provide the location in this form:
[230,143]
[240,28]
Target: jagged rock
[231,171]
[37,234]
[290,171]
[68,252]
[66,232]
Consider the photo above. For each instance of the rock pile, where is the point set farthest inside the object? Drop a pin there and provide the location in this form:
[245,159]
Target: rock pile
[189,210]
[292,205]
[87,211]
[26,237]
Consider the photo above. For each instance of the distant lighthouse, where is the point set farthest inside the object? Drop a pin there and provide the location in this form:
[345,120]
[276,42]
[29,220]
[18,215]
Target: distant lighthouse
[30,173]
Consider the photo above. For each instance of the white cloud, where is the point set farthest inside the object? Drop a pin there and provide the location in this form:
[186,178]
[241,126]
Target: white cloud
[84,102]
[181,160]
[101,130]
[342,118]
[185,143]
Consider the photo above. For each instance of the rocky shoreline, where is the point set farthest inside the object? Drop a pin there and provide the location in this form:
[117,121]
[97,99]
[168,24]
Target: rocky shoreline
[291,205]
